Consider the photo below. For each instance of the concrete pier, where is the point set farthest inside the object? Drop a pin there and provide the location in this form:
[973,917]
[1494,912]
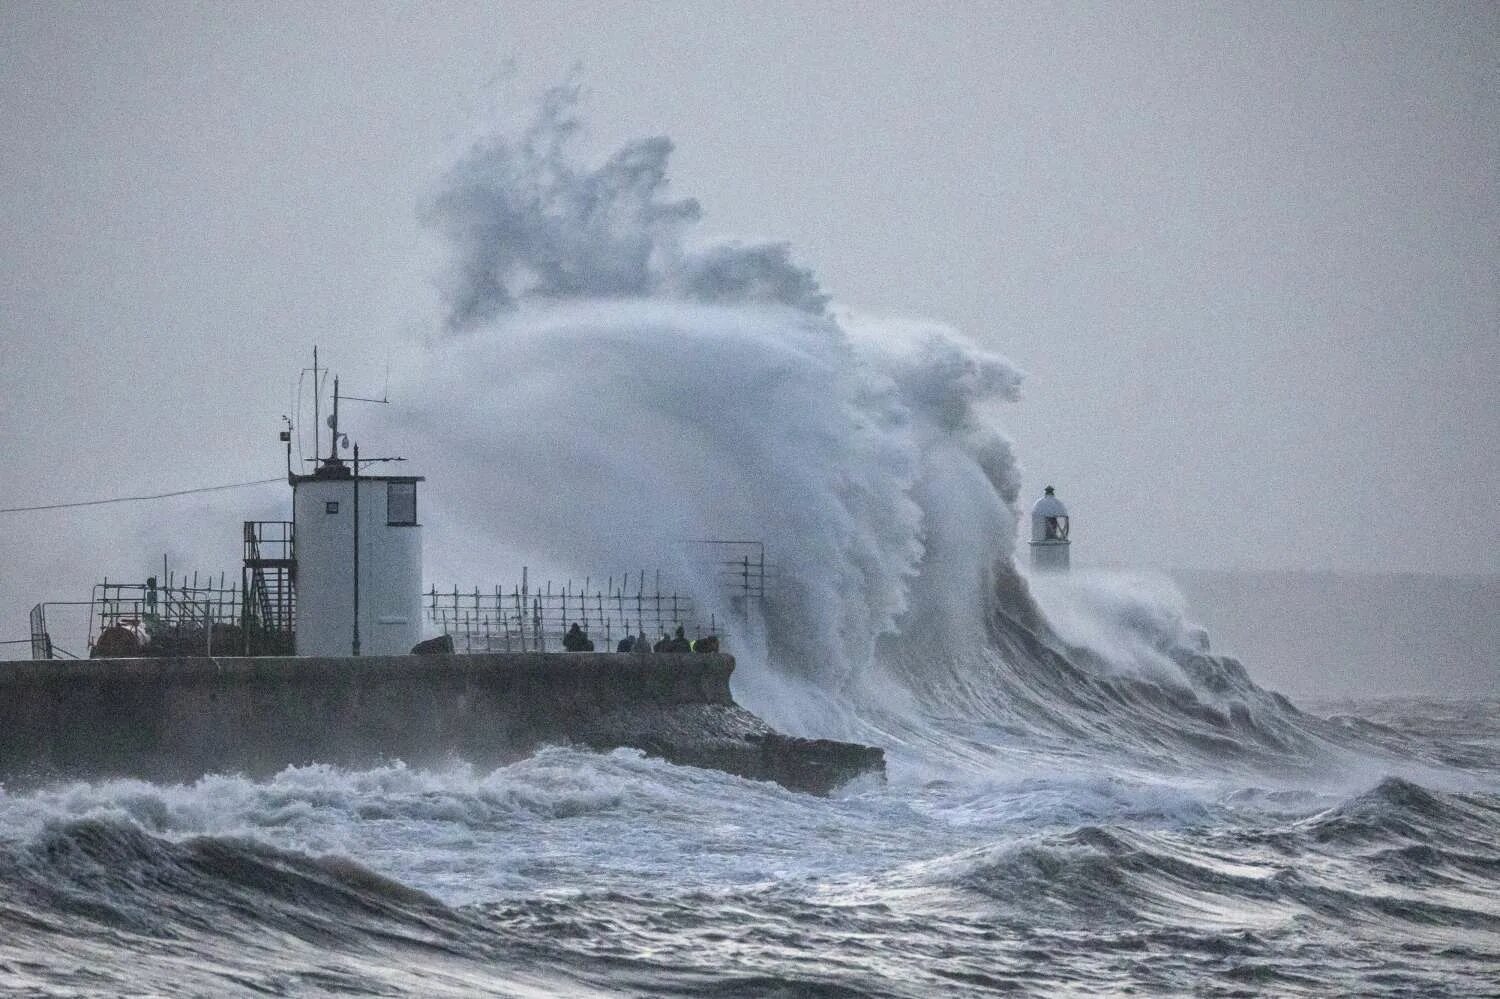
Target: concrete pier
[175,719]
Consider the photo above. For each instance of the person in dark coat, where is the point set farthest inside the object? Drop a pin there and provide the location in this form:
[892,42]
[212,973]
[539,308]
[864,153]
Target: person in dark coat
[577,640]
[626,644]
[680,642]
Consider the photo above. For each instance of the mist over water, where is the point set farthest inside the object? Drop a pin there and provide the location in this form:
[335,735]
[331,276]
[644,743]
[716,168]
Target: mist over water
[1082,796]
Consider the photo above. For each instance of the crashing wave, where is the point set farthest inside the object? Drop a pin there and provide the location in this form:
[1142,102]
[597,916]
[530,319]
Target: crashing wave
[606,386]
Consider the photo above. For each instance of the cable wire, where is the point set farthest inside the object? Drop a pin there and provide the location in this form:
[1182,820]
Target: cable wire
[133,499]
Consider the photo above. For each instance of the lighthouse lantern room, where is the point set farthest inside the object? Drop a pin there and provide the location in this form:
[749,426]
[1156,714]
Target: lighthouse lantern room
[1049,534]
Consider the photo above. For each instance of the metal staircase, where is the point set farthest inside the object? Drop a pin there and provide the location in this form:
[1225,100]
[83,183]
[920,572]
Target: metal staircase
[269,613]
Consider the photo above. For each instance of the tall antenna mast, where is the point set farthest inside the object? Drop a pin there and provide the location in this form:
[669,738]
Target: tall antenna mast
[336,439]
[317,418]
[333,423]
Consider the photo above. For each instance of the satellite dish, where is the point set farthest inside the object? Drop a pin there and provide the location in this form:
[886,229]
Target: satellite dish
[344,441]
[330,422]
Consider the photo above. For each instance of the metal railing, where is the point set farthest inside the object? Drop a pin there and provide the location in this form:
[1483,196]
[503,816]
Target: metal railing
[268,540]
[524,618]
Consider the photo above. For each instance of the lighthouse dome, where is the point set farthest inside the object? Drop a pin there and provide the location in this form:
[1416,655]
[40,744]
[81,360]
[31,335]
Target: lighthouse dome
[1049,506]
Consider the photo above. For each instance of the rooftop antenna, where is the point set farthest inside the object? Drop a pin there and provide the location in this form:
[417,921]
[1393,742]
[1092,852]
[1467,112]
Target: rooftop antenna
[383,400]
[342,440]
[333,424]
[317,420]
[317,407]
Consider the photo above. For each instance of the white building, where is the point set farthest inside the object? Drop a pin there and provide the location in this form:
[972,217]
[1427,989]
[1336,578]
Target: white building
[387,586]
[1049,534]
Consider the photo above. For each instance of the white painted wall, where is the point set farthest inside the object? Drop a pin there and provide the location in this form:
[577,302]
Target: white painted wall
[1050,556]
[390,570]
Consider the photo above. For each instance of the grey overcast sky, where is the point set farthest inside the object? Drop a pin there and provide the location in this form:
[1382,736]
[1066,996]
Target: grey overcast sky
[1246,252]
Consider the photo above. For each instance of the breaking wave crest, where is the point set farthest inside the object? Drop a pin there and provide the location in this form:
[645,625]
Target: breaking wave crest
[607,384]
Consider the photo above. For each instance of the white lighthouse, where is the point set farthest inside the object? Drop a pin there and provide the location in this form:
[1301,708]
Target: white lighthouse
[1049,534]
[380,574]
[358,546]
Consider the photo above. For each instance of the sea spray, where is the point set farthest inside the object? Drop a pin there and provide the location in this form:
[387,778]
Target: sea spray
[605,385]
[607,389]
[524,219]
[1133,621]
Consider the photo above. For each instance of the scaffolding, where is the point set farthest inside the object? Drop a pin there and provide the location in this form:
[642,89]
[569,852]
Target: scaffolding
[534,617]
[183,617]
[741,574]
[186,616]
[527,618]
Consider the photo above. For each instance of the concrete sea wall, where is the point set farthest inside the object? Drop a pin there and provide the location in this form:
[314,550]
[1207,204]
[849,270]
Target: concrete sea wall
[175,719]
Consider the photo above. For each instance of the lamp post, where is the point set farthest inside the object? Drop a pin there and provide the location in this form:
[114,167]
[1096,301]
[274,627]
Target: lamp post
[356,550]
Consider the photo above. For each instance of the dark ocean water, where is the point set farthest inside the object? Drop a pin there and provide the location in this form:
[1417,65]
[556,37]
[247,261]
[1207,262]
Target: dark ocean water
[1376,872]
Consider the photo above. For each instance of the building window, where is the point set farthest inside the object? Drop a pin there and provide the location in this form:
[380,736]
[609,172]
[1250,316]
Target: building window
[332,506]
[401,503]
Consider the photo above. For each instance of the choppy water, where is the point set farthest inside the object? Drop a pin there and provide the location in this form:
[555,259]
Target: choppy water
[581,873]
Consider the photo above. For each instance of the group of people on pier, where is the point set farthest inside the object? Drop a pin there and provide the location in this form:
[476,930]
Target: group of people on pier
[577,640]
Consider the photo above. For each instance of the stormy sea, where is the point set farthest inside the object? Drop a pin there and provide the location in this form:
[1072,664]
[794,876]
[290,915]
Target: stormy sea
[574,873]
[1082,797]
